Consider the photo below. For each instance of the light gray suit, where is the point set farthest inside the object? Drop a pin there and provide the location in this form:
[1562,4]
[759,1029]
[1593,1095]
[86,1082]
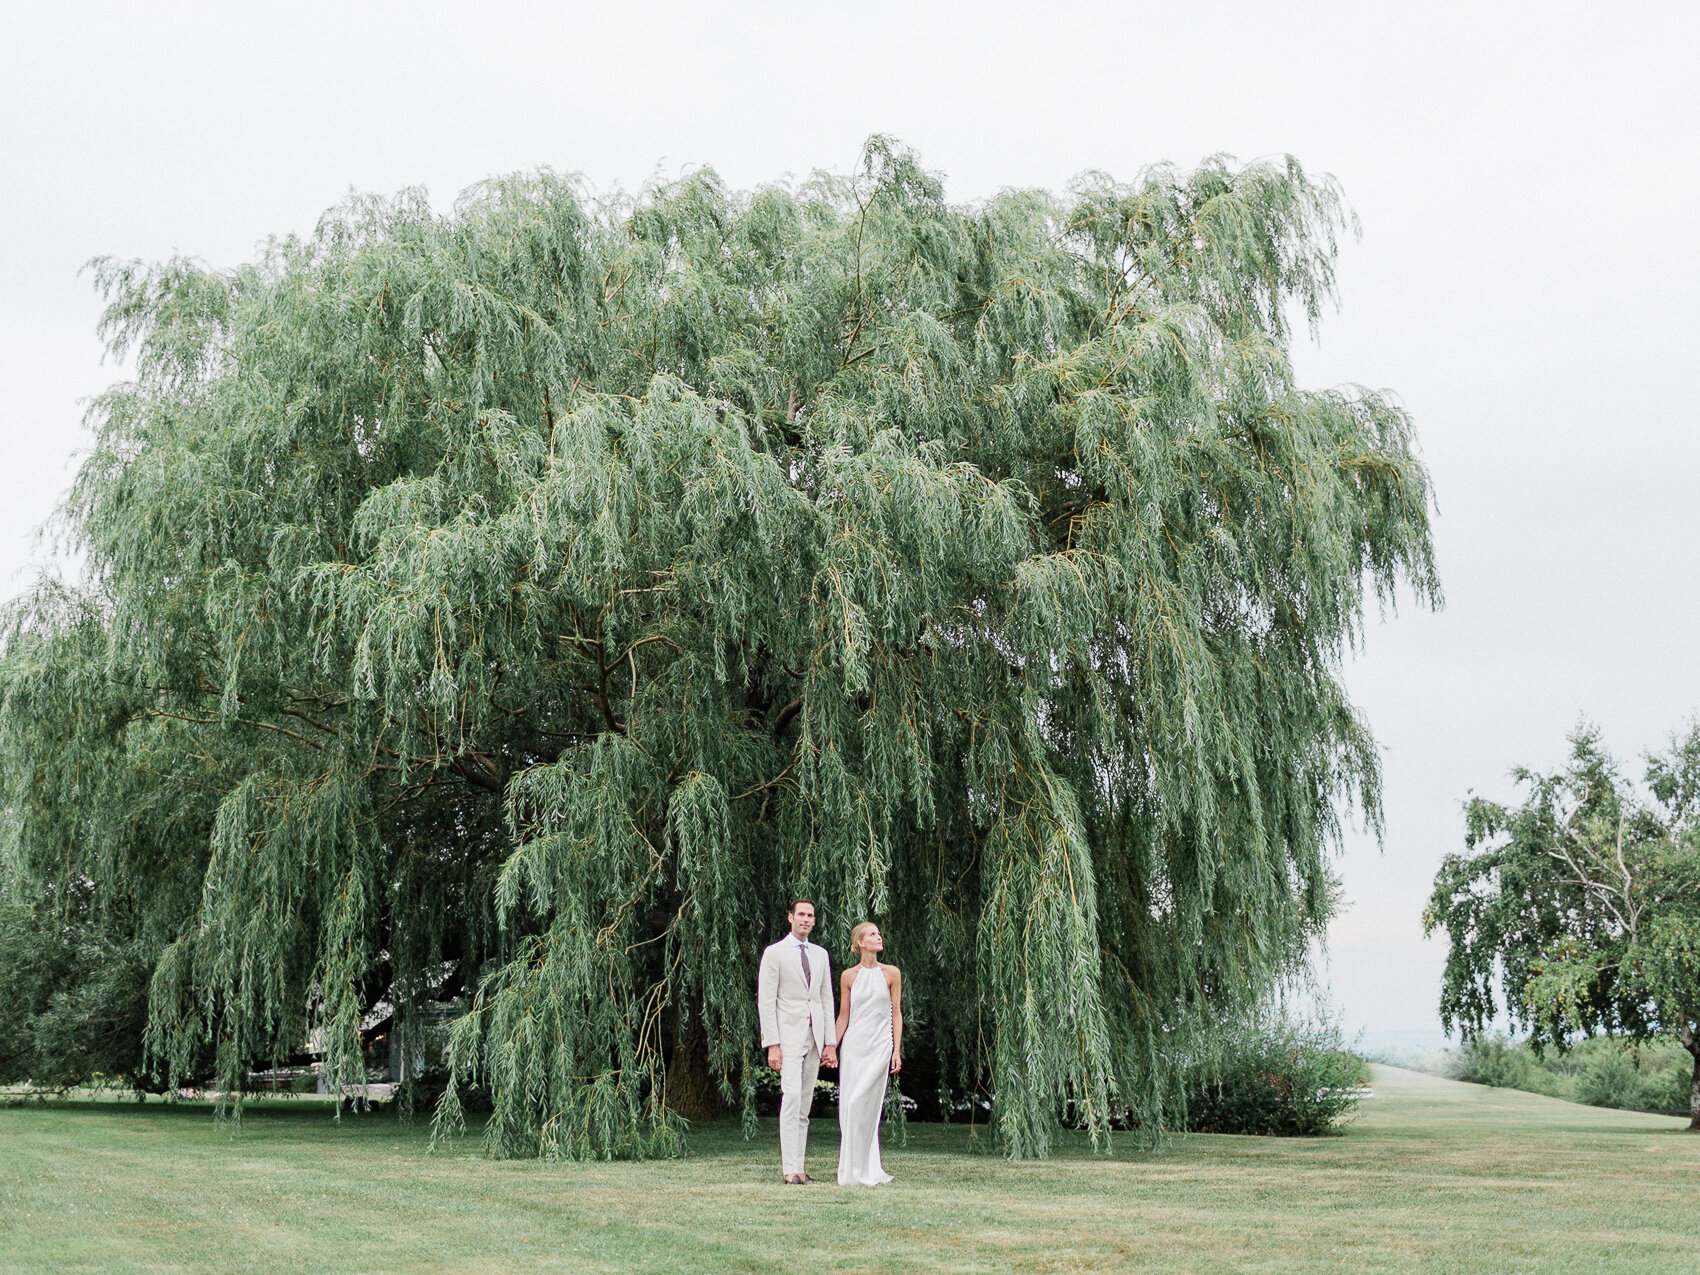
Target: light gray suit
[798,1017]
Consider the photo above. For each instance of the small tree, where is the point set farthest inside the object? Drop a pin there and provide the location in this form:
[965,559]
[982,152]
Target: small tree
[1583,904]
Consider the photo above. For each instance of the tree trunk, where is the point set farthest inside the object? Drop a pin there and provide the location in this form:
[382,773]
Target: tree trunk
[1694,1089]
[691,1091]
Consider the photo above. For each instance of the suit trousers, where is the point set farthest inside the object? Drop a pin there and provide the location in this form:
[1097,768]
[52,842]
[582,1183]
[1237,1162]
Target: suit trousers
[798,1070]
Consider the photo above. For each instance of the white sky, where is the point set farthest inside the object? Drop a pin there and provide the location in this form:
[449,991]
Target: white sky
[1527,281]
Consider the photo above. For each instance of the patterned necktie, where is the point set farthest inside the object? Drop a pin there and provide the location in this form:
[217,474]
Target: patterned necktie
[808,974]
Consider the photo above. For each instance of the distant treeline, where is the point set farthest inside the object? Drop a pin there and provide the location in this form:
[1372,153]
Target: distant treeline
[1599,1072]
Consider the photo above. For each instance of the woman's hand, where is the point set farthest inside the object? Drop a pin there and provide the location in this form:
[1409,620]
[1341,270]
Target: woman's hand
[896,1063]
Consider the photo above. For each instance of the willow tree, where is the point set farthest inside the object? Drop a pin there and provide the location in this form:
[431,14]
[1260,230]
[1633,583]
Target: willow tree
[542,593]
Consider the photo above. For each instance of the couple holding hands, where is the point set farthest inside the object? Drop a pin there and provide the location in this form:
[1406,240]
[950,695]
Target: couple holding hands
[864,1040]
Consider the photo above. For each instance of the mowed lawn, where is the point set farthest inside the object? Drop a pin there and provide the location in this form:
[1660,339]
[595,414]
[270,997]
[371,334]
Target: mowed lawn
[1433,1176]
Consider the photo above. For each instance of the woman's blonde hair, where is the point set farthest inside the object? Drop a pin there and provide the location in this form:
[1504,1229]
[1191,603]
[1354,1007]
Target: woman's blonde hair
[856,939]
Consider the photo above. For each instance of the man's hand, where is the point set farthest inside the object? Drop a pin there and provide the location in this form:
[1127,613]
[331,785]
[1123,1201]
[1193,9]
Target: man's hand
[829,1056]
[774,1057]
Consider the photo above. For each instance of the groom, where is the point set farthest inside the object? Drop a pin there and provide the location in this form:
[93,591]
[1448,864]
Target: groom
[794,998]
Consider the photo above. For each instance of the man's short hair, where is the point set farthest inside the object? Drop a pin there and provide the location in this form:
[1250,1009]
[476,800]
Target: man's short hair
[795,903]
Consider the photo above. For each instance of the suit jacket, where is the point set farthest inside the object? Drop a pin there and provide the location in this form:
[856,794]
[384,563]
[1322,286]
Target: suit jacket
[791,1010]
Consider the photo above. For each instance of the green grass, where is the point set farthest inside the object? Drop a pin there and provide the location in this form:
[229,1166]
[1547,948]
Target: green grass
[1434,1176]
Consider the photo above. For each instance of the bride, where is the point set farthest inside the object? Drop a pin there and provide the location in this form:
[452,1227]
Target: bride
[870,1050]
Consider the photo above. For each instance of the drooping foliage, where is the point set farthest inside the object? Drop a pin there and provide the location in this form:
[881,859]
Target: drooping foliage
[1581,906]
[533,598]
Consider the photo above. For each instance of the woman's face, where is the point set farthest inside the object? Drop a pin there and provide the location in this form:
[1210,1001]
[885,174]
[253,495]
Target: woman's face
[871,940]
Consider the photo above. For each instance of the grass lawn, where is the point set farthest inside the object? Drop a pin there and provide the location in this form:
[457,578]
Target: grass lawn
[1433,1176]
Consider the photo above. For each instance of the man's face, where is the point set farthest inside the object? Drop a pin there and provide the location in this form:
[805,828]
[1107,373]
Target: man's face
[802,919]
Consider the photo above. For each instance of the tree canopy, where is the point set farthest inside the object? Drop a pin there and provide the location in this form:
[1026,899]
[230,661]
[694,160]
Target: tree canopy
[1582,904]
[534,597]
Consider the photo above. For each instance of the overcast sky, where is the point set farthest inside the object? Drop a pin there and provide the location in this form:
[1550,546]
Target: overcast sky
[1527,281]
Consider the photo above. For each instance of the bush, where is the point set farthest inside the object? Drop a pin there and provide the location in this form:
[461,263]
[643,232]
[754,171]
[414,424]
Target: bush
[1276,1076]
[1667,1089]
[1493,1060]
[1601,1071]
[73,995]
[1611,1080]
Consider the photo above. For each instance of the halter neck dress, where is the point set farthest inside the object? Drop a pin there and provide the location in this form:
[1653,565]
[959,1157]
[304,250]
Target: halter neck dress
[864,1068]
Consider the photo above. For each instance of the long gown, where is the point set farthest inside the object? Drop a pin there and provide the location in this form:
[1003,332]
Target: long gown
[864,1067]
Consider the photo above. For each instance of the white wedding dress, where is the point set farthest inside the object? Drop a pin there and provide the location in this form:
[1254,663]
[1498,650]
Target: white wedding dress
[864,1067]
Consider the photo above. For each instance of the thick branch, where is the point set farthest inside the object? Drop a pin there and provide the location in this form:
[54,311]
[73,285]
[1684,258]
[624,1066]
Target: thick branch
[785,715]
[479,770]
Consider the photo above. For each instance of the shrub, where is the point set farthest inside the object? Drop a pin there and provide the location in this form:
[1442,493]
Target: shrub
[1600,1071]
[1276,1076]
[73,995]
[1667,1088]
[1611,1080]
[1493,1060]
